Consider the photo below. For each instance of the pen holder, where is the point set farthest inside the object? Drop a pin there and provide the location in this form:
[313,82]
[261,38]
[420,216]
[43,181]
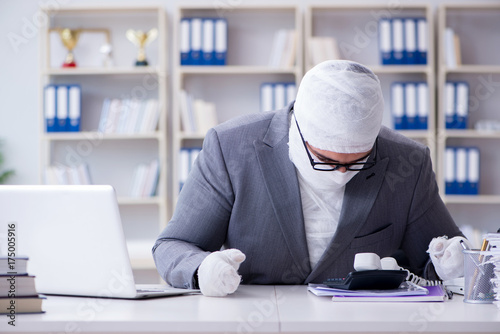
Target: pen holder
[478,274]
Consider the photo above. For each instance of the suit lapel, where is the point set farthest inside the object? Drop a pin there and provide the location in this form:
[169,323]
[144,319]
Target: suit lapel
[283,188]
[360,194]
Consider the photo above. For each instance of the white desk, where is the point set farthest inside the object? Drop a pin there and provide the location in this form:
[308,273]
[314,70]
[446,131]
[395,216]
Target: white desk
[254,309]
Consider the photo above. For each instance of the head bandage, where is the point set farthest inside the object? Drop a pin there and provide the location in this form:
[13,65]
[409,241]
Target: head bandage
[339,107]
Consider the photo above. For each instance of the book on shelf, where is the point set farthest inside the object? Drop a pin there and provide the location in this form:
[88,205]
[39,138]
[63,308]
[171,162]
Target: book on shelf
[410,105]
[187,157]
[145,180]
[462,170]
[452,54]
[283,49]
[129,116]
[62,108]
[197,115]
[403,41]
[321,48]
[27,304]
[203,41]
[276,95]
[62,175]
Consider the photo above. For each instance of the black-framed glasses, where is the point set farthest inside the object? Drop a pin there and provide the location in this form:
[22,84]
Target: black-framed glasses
[328,166]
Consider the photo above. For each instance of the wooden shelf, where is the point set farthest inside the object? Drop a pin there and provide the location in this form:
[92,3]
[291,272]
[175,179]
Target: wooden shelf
[102,71]
[472,199]
[94,135]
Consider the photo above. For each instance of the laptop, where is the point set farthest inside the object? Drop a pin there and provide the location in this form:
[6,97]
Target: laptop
[74,239]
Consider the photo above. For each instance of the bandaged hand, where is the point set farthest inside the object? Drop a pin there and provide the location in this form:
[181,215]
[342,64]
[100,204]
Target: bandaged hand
[218,273]
[447,256]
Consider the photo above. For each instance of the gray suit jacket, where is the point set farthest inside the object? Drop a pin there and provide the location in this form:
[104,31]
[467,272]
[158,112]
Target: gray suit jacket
[243,193]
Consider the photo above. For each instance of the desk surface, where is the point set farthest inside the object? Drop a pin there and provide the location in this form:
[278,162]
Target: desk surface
[259,309]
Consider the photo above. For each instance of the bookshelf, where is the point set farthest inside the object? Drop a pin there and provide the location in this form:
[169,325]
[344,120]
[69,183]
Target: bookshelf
[355,29]
[112,158]
[481,70]
[234,88]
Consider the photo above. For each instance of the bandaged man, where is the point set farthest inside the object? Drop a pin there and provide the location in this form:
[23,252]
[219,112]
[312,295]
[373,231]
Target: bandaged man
[290,196]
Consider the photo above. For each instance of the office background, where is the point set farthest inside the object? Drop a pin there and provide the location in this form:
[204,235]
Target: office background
[20,86]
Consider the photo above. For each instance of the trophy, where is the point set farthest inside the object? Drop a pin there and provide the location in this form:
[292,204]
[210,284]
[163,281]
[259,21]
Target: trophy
[69,38]
[141,39]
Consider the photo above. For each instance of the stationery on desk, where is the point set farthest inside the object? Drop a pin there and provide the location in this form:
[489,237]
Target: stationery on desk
[407,292]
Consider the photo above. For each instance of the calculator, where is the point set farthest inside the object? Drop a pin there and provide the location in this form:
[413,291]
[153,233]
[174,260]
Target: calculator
[369,280]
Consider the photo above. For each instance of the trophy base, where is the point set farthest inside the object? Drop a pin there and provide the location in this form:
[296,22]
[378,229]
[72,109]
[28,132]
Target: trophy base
[72,64]
[141,63]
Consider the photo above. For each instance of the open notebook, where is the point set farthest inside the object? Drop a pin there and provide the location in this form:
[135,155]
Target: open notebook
[74,239]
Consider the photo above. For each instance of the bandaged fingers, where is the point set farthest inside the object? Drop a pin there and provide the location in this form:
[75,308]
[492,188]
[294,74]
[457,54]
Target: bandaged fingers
[218,273]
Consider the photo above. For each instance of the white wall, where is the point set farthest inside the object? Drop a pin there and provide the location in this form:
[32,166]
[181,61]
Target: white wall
[19,71]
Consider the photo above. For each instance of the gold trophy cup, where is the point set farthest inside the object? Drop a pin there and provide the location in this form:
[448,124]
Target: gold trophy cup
[141,39]
[69,38]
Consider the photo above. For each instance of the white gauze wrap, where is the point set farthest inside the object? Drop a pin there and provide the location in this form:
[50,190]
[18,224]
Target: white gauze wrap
[339,107]
[447,256]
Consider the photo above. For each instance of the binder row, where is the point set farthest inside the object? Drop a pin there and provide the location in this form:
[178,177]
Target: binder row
[410,105]
[129,116]
[145,179]
[456,96]
[187,156]
[277,95]
[62,108]
[203,41]
[462,170]
[403,41]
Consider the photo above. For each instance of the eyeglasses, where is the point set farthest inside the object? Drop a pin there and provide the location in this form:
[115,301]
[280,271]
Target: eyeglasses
[328,166]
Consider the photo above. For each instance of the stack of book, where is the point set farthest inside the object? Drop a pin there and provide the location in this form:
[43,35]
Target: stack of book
[284,48]
[203,41]
[403,41]
[410,105]
[197,115]
[145,179]
[61,174]
[129,116]
[18,292]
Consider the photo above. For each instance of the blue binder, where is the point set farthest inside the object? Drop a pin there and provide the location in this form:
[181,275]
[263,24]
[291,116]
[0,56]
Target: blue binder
[208,42]
[50,108]
[74,108]
[185,41]
[422,44]
[473,171]
[410,41]
[385,42]
[196,41]
[422,105]
[62,115]
[398,105]
[398,41]
[220,41]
